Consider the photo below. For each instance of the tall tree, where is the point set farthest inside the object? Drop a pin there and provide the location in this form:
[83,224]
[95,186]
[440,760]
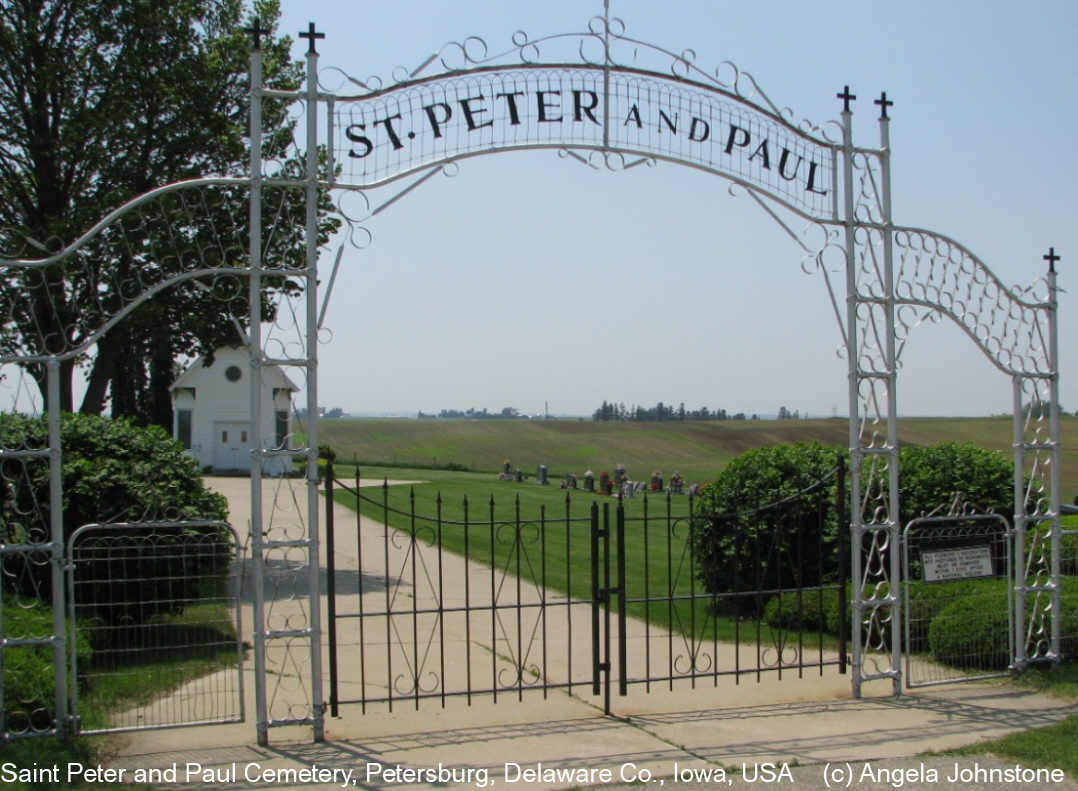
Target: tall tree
[100,102]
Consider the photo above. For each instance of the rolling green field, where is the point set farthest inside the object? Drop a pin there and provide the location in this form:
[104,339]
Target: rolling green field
[697,449]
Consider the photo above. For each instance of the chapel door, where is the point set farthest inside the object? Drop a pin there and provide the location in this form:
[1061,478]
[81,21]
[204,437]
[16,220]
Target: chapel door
[232,448]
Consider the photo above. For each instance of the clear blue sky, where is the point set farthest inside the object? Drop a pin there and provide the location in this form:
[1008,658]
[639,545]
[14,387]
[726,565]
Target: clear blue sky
[529,278]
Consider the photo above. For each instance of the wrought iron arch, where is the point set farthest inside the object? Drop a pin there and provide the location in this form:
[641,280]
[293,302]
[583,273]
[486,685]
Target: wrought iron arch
[894,275]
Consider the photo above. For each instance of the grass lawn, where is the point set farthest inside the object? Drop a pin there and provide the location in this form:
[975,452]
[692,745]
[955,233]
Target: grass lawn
[1053,746]
[698,449]
[127,679]
[555,545]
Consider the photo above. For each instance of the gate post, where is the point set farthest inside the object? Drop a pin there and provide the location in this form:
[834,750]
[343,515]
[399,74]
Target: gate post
[254,348]
[56,535]
[892,525]
[314,597]
[857,528]
[1054,472]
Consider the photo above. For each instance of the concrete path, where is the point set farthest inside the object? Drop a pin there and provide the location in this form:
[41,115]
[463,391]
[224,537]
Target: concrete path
[807,728]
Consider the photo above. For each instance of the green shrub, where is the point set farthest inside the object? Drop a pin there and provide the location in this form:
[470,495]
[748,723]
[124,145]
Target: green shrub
[29,678]
[929,477]
[812,610]
[113,471]
[741,547]
[972,631]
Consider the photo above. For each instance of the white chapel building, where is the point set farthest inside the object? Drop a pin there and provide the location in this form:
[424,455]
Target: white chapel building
[211,412]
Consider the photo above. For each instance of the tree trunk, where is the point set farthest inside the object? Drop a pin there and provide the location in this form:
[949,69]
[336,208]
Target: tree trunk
[93,402]
[161,378]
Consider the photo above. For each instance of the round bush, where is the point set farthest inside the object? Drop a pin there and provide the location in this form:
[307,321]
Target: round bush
[814,610]
[929,477]
[113,471]
[735,524]
[741,544]
[971,633]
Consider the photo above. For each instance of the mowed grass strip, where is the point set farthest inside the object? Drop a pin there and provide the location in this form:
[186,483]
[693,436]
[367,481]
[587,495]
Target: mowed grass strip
[554,546]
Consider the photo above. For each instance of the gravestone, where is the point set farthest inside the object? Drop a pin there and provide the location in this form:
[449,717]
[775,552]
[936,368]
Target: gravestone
[540,476]
[589,481]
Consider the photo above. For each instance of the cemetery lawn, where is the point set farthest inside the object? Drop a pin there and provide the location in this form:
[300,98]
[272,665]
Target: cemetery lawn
[567,542]
[697,449]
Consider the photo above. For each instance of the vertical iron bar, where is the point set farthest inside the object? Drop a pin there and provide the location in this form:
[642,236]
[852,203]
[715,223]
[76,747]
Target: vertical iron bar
[606,608]
[359,587]
[647,603]
[735,586]
[520,627]
[415,600]
[756,562]
[842,528]
[623,671]
[693,523]
[595,661]
[331,591]
[542,589]
[441,601]
[56,550]
[389,601]
[569,587]
[776,548]
[493,610]
[692,593]
[670,603]
[467,609]
[821,530]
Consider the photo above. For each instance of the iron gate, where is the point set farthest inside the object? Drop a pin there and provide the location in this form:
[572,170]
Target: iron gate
[958,600]
[140,592]
[481,603]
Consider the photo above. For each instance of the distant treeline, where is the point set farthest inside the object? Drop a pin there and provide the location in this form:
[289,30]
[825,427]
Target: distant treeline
[659,412]
[507,413]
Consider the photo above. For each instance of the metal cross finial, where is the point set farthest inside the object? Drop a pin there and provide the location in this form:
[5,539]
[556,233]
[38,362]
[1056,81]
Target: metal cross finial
[257,31]
[1051,258]
[846,98]
[884,103]
[311,36]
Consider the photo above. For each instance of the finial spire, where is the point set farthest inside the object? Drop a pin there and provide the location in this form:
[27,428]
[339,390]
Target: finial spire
[883,103]
[257,31]
[1051,258]
[846,98]
[311,37]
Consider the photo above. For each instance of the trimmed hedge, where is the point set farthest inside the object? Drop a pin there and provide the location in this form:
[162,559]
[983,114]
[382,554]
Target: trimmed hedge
[961,623]
[787,611]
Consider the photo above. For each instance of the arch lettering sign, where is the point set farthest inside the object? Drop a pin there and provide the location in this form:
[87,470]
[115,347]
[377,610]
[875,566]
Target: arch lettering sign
[412,126]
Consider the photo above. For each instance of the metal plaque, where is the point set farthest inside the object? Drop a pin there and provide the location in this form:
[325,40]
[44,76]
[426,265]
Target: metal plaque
[956,564]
